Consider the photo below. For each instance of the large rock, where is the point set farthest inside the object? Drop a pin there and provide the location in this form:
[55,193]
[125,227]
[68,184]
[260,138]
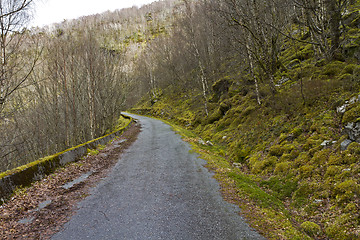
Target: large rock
[353,130]
[344,145]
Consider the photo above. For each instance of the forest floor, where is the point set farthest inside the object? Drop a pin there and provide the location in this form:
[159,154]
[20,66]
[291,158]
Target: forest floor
[39,211]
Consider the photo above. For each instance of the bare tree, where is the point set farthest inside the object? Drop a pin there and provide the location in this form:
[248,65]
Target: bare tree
[14,68]
[323,19]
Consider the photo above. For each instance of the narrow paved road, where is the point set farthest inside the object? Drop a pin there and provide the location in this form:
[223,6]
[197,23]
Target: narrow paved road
[158,190]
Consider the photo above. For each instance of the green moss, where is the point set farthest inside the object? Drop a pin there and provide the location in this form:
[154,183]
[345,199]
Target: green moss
[332,171]
[92,152]
[282,168]
[351,208]
[347,191]
[311,228]
[354,148]
[306,171]
[350,68]
[215,116]
[302,159]
[277,150]
[265,166]
[247,186]
[337,229]
[352,114]
[301,196]
[296,132]
[348,158]
[282,187]
[285,157]
[335,159]
[333,68]
[320,157]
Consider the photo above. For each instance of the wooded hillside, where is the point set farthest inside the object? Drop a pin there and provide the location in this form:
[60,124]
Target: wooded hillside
[270,87]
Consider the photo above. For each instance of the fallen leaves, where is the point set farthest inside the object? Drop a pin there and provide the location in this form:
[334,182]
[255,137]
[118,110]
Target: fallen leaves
[26,217]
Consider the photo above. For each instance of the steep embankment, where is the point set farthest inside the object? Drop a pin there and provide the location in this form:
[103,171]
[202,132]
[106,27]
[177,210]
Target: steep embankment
[295,158]
[292,153]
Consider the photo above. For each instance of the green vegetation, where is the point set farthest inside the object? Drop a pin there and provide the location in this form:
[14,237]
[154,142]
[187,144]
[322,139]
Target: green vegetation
[282,157]
[259,100]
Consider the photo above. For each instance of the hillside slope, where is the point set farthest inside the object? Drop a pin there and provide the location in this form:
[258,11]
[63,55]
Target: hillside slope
[300,147]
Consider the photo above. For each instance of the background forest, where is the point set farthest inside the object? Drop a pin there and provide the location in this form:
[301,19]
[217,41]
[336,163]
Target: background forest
[270,87]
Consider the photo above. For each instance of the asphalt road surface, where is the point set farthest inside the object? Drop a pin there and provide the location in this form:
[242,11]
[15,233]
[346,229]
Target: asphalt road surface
[157,190]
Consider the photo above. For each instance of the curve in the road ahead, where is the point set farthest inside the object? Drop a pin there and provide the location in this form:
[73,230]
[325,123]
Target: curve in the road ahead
[158,190]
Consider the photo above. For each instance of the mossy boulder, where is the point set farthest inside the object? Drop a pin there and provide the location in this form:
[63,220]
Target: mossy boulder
[282,168]
[352,115]
[221,87]
[311,228]
[302,159]
[225,106]
[354,148]
[215,116]
[279,150]
[265,166]
[332,171]
[347,191]
[333,68]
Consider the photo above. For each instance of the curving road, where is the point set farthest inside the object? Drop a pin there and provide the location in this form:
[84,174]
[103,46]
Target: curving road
[157,190]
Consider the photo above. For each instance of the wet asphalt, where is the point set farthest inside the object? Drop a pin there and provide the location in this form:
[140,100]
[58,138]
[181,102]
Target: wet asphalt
[157,190]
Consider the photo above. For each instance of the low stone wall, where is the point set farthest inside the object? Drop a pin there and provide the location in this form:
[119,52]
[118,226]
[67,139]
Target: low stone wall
[27,174]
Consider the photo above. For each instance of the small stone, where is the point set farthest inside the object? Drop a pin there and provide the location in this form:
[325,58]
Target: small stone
[325,143]
[238,165]
[341,109]
[103,155]
[344,145]
[224,137]
[77,181]
[353,100]
[209,143]
[26,220]
[43,205]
